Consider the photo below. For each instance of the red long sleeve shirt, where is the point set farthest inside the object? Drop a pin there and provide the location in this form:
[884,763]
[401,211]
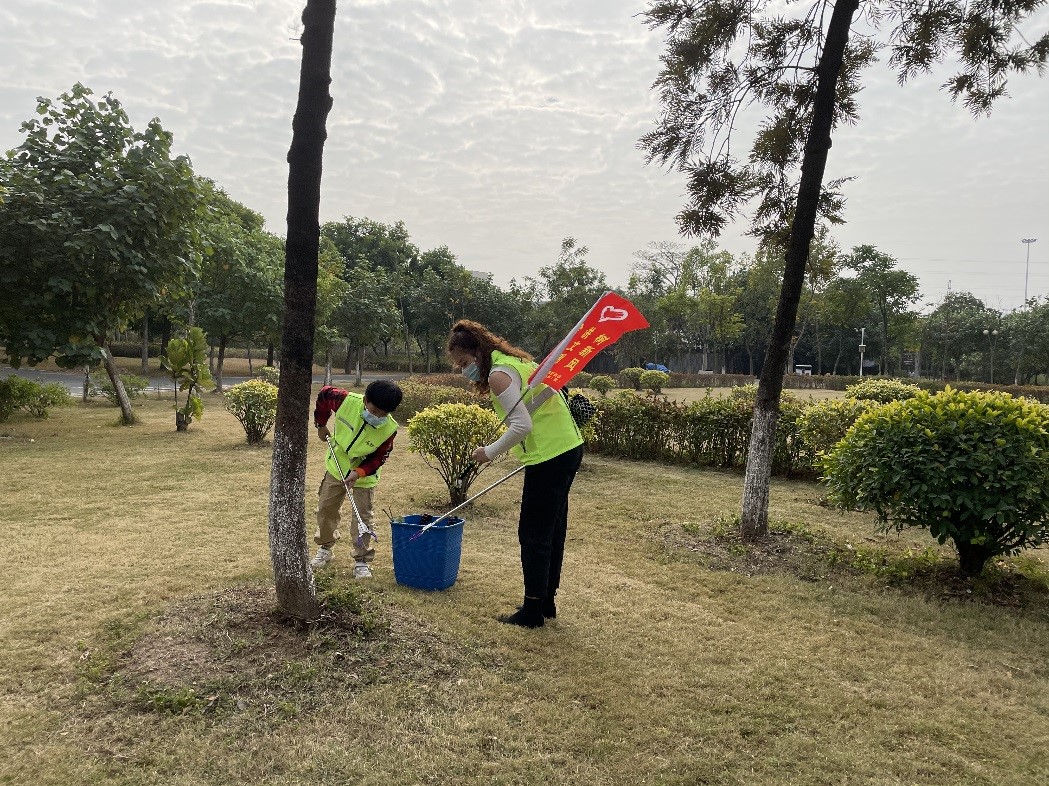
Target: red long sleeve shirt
[328,402]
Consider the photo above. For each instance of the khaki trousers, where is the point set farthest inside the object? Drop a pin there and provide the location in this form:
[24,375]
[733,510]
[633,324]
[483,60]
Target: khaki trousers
[329,513]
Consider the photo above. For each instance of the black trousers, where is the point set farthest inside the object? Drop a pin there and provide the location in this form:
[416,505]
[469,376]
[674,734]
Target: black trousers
[544,521]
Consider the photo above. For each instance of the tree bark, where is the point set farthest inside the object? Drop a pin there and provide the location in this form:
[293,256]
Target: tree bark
[327,365]
[220,364]
[360,363]
[145,344]
[127,417]
[296,591]
[269,355]
[755,513]
[972,557]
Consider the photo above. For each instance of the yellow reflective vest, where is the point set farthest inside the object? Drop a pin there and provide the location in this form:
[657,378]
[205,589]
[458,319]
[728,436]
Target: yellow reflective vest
[553,430]
[355,439]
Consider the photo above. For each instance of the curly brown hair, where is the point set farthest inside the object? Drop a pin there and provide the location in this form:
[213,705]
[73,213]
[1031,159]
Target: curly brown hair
[475,338]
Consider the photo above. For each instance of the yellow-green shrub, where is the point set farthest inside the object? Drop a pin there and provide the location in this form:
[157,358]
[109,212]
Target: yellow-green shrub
[882,390]
[445,435]
[602,384]
[824,424]
[654,381]
[970,467]
[254,404]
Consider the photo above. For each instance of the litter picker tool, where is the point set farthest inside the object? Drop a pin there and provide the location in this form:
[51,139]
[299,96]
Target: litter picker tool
[464,504]
[362,528]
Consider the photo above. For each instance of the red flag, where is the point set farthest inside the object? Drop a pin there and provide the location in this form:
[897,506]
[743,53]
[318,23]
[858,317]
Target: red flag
[603,325]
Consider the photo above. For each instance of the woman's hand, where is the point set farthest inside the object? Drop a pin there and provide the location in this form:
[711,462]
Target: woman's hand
[479,456]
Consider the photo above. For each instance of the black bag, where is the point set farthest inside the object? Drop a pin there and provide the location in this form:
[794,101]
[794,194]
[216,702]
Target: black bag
[582,408]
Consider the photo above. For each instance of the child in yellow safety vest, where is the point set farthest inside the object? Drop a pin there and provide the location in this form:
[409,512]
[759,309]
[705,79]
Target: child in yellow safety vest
[361,432]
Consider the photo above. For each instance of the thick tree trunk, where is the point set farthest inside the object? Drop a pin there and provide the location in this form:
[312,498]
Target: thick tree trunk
[360,363]
[972,557]
[269,355]
[327,365]
[127,417]
[755,514]
[296,591]
[145,344]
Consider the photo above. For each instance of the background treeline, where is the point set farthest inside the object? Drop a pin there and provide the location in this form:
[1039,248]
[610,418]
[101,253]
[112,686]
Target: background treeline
[386,304]
[106,240]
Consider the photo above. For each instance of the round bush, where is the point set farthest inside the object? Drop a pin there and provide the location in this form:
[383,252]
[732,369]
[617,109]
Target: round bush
[824,424]
[254,404]
[445,436]
[268,374]
[971,467]
[602,384]
[631,378]
[882,390]
[582,379]
[654,381]
[49,396]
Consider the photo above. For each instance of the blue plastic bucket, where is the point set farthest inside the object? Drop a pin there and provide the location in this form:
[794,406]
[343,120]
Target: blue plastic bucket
[431,561]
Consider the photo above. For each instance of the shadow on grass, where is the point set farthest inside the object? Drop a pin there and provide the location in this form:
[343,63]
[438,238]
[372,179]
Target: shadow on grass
[1020,582]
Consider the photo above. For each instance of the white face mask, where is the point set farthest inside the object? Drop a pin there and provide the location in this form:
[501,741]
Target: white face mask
[472,372]
[373,420]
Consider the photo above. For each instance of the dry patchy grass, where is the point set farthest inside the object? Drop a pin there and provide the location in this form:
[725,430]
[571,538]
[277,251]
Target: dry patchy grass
[141,644]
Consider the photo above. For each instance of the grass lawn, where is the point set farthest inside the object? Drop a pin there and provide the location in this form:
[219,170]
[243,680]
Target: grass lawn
[140,644]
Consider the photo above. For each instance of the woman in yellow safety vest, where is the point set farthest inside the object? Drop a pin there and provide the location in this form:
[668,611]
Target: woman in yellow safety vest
[543,436]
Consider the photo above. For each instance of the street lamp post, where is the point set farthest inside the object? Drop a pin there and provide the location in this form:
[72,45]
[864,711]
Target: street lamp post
[862,331]
[992,336]
[1027,242]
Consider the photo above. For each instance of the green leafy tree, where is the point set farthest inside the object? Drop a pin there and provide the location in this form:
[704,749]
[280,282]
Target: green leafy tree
[800,65]
[891,290]
[970,467]
[187,363]
[98,223]
[237,294]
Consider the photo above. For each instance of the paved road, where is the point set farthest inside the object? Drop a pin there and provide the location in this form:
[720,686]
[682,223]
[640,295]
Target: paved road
[74,380]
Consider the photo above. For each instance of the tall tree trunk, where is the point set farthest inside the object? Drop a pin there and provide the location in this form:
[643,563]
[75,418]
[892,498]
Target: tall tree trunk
[327,365]
[251,371]
[296,591]
[348,364]
[145,344]
[884,343]
[360,363]
[755,513]
[87,383]
[221,362]
[269,355]
[127,417]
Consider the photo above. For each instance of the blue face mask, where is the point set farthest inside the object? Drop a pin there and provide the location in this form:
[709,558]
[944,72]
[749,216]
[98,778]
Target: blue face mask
[472,373]
[373,420]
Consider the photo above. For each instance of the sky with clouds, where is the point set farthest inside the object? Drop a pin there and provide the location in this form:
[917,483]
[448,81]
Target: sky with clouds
[498,128]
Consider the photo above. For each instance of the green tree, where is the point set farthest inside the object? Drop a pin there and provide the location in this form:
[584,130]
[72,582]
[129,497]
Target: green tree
[238,292]
[799,64]
[98,222]
[296,591]
[891,290]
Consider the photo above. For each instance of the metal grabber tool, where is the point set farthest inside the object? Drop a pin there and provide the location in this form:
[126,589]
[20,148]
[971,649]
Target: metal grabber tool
[464,504]
[362,528]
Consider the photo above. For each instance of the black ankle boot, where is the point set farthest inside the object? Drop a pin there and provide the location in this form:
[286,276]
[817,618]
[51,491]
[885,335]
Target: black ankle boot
[549,607]
[529,615]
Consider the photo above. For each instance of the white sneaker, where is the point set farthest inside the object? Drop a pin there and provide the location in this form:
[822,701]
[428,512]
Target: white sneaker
[362,571]
[322,558]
